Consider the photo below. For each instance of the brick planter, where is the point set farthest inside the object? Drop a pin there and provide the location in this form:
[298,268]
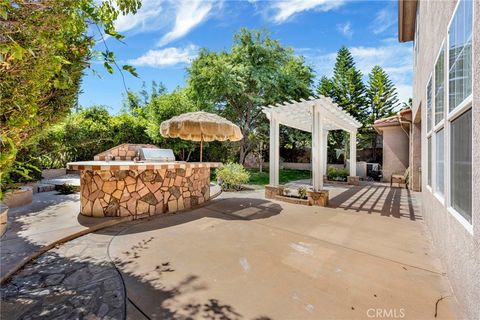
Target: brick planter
[314,198]
[18,197]
[318,198]
[353,180]
[292,200]
[272,191]
[3,218]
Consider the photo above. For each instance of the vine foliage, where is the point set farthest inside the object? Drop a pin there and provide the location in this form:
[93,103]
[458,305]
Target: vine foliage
[45,46]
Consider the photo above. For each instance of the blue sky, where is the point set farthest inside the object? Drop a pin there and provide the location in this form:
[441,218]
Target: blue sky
[165,35]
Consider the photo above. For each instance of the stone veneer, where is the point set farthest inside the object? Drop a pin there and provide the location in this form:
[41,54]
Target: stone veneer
[124,151]
[142,192]
[314,198]
[353,180]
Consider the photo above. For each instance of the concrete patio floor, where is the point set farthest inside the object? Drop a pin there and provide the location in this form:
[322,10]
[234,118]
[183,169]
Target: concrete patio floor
[243,257]
[49,218]
[238,257]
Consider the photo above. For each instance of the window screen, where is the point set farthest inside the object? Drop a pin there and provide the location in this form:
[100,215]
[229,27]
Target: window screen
[461,165]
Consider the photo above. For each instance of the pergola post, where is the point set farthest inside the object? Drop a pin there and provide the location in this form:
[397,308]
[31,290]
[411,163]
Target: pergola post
[325,152]
[353,179]
[274,150]
[317,149]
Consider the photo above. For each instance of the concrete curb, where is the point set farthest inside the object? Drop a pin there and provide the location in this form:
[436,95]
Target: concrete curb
[53,244]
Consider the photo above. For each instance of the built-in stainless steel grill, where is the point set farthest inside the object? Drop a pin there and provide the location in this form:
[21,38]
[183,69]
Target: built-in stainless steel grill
[156,155]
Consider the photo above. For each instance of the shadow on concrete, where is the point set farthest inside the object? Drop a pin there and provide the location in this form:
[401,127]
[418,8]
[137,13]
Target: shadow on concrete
[386,201]
[79,281]
[242,208]
[31,226]
[148,293]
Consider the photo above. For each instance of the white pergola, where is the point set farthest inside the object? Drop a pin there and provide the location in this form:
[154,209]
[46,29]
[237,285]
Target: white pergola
[318,116]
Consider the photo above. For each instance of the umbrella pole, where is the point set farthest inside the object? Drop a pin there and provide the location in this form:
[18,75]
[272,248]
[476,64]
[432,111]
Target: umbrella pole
[201,147]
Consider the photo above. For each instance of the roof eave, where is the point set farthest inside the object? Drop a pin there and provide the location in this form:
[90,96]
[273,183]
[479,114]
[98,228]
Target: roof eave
[407,14]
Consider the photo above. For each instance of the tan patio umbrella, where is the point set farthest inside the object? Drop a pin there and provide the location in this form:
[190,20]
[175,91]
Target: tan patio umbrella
[200,126]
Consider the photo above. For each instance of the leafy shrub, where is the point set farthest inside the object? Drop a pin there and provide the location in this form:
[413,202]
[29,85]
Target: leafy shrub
[19,173]
[65,189]
[302,192]
[231,176]
[337,174]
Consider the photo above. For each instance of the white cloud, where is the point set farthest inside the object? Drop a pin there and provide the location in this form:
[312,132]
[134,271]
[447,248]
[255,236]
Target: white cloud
[395,58]
[148,17]
[404,92]
[284,10]
[167,57]
[181,16]
[384,19]
[345,29]
[188,15]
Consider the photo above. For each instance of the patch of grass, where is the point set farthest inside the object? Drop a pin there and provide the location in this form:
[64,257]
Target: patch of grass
[286,175]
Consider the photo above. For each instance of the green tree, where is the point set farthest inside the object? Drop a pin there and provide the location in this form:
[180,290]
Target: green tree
[81,135]
[381,101]
[88,133]
[45,47]
[381,95]
[346,88]
[127,128]
[326,87]
[164,107]
[256,72]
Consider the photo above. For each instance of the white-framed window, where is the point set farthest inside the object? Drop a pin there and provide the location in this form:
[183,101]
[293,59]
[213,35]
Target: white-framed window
[429,164]
[460,54]
[461,165]
[459,113]
[439,161]
[429,105]
[449,118]
[440,87]
[439,124]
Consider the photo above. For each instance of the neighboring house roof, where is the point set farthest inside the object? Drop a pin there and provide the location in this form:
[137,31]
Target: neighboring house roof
[407,14]
[403,116]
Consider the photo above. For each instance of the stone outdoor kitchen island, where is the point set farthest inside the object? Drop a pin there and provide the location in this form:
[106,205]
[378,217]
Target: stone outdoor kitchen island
[113,185]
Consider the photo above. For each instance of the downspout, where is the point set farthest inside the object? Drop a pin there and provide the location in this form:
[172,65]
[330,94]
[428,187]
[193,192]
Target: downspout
[404,122]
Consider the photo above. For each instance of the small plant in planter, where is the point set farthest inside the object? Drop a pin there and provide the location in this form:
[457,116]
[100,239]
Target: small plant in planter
[335,174]
[302,192]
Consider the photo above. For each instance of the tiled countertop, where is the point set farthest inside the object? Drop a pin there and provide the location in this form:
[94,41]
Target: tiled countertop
[131,165]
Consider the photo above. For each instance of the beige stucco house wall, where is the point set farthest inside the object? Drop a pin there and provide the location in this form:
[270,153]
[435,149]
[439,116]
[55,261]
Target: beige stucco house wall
[458,245]
[396,143]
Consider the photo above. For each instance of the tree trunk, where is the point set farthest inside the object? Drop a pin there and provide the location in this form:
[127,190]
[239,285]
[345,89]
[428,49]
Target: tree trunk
[243,153]
[188,156]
